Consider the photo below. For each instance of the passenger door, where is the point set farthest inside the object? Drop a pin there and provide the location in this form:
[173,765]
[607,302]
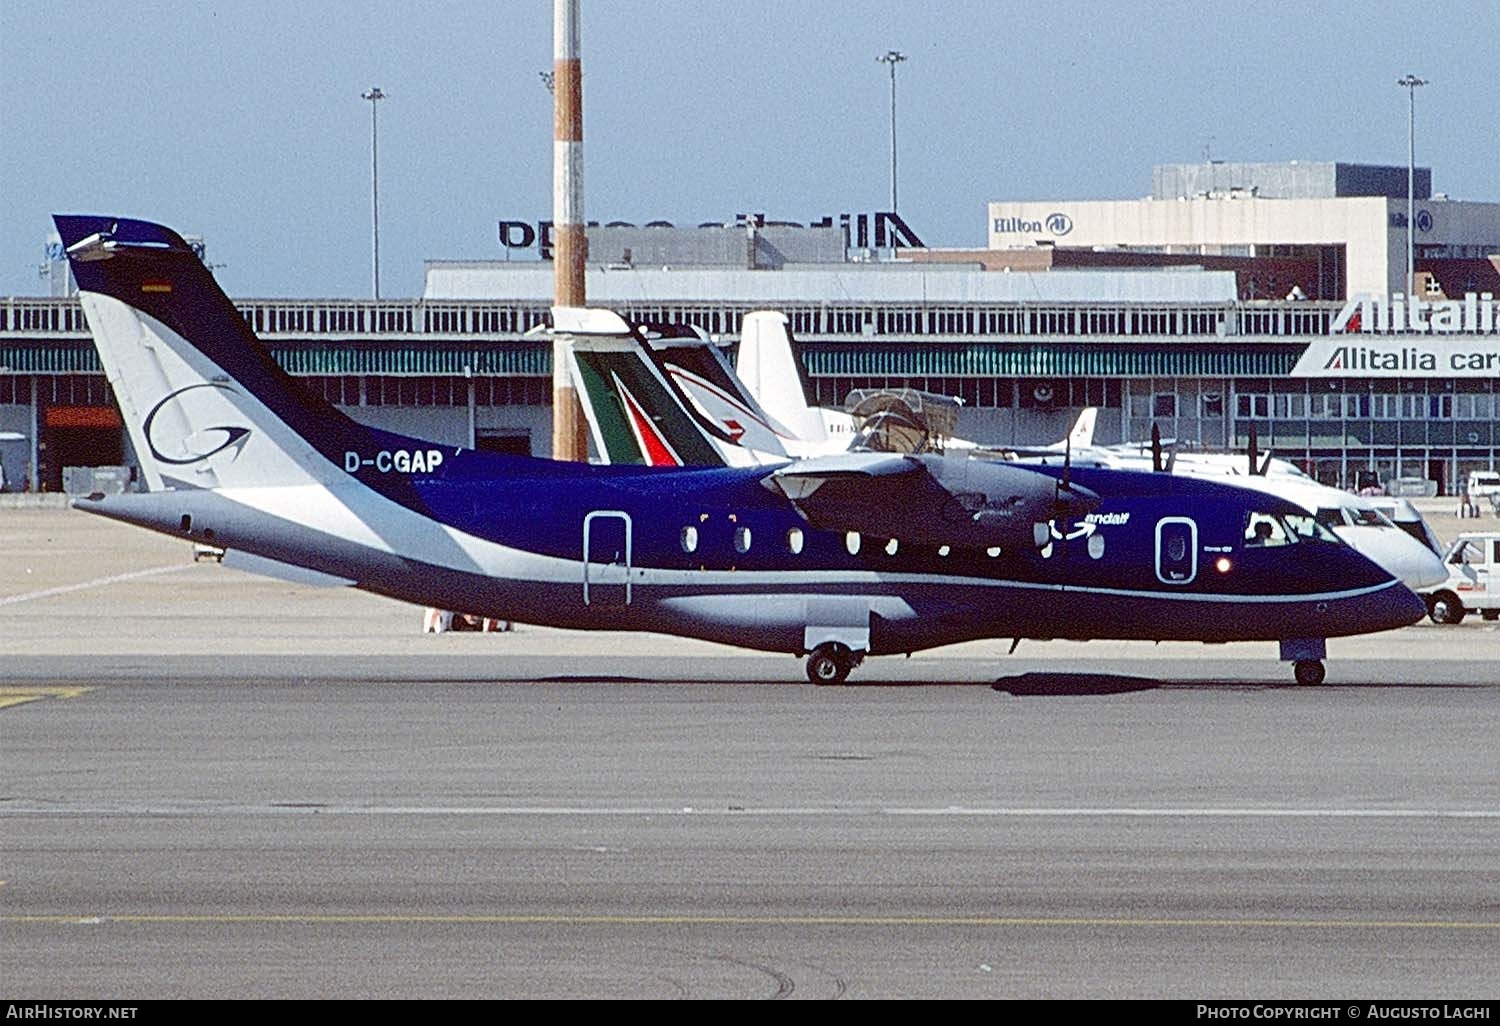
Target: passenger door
[606,558]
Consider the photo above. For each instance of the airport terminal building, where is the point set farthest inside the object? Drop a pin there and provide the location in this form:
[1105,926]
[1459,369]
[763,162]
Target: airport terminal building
[1358,385]
[1349,221]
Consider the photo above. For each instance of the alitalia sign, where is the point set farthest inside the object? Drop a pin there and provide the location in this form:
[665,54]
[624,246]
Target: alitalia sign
[1399,337]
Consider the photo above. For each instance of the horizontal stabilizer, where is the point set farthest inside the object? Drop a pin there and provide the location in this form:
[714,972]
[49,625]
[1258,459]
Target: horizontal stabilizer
[253,564]
[588,320]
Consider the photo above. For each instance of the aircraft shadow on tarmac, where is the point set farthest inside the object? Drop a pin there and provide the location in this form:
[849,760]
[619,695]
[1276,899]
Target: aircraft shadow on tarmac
[1053,684]
[1041,684]
[1035,684]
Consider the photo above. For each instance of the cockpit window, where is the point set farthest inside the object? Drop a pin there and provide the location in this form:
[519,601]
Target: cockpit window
[1368,518]
[891,431]
[1330,516]
[1307,527]
[1266,530]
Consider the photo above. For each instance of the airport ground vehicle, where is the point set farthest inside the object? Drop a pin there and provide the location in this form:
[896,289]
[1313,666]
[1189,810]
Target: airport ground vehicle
[1483,484]
[1473,585]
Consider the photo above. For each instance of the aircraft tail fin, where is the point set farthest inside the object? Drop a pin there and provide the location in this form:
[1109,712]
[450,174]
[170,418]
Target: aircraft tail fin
[770,364]
[204,402]
[659,395]
[1082,435]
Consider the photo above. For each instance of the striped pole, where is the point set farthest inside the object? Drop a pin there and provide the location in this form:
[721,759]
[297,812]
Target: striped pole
[569,437]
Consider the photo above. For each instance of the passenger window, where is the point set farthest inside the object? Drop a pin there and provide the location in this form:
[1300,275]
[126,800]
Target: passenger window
[891,547]
[742,539]
[794,540]
[851,542]
[689,539]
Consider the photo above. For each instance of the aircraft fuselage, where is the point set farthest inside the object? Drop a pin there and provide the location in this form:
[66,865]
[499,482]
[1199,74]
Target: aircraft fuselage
[714,554]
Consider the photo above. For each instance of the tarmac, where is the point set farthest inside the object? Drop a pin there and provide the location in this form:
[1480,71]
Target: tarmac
[216,785]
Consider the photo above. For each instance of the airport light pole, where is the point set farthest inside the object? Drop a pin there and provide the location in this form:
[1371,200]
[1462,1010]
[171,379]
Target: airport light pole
[1410,83]
[893,58]
[374,96]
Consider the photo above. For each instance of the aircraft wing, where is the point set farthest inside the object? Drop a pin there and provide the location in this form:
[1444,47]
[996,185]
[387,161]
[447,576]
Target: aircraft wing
[928,499]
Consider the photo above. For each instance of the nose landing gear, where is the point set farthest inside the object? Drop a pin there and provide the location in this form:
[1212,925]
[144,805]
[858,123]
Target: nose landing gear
[1306,656]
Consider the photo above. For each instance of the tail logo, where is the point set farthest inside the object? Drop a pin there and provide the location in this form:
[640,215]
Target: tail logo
[653,445]
[178,447]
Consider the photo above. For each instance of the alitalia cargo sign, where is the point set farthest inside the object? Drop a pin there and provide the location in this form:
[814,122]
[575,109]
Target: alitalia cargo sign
[1399,337]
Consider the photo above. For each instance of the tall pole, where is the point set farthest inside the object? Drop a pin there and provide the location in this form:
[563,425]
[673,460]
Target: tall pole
[374,96]
[569,438]
[893,58]
[1411,82]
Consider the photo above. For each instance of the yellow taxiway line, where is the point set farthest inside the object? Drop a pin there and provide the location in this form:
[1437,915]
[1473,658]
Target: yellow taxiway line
[20,694]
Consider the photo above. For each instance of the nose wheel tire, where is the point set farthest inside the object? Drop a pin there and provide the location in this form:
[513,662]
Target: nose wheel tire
[1444,607]
[1309,671]
[830,664]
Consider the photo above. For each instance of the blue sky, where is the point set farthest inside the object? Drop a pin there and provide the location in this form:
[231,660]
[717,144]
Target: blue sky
[243,123]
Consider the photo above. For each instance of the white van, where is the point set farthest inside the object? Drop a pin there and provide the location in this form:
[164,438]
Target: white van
[1483,483]
[1473,585]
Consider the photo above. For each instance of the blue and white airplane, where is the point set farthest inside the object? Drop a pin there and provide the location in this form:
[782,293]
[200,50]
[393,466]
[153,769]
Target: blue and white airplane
[838,558]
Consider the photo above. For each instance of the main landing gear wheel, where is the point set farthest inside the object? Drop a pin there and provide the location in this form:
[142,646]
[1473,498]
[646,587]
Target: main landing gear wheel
[1309,671]
[830,663]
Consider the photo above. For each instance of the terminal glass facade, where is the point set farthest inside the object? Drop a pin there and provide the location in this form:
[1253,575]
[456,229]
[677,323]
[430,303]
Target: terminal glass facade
[467,372]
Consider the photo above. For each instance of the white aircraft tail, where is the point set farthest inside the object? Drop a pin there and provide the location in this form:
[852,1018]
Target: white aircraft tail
[205,404]
[1082,435]
[770,366]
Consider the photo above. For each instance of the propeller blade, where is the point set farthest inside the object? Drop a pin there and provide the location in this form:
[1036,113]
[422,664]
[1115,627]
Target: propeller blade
[1253,449]
[1156,464]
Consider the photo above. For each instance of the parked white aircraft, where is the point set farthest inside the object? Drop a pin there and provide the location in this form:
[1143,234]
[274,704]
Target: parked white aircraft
[776,379]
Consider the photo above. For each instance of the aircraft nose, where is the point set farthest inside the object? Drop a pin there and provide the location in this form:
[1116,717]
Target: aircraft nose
[1407,607]
[1398,554]
[1410,562]
[1389,608]
[1426,570]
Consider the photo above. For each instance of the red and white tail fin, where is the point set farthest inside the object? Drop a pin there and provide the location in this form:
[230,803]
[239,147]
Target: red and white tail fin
[1082,435]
